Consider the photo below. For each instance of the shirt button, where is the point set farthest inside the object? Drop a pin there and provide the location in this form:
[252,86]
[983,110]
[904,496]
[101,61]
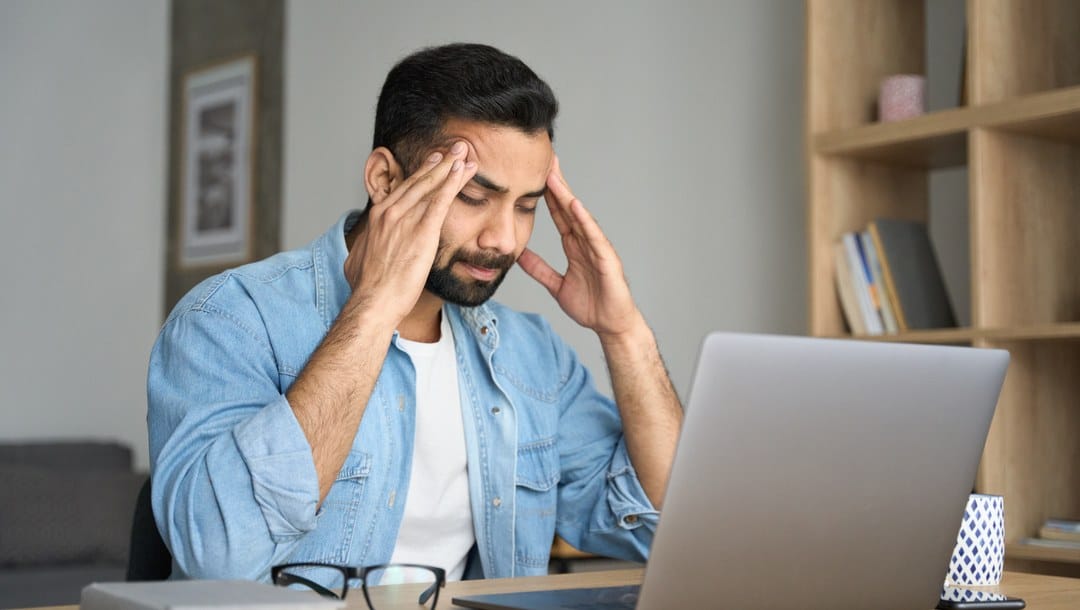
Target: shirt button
[495,410]
[630,519]
[497,502]
[483,330]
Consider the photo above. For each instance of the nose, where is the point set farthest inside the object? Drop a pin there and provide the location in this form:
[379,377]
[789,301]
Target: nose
[498,234]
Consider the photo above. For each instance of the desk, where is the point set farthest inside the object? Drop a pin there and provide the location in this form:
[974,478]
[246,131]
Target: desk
[1040,592]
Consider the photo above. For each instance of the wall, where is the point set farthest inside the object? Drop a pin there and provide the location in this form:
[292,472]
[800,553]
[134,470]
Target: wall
[82,145]
[681,130]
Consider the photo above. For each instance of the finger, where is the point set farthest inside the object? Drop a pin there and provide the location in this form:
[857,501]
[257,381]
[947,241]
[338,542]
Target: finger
[557,186]
[588,228]
[429,177]
[557,214]
[556,196]
[538,269]
[460,173]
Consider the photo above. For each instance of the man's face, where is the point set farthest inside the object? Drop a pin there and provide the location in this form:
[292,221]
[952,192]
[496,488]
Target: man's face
[489,224]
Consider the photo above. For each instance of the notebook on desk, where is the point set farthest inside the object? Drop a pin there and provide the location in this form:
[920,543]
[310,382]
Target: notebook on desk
[811,473]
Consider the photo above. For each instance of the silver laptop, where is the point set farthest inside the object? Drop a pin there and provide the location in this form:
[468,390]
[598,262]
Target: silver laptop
[811,473]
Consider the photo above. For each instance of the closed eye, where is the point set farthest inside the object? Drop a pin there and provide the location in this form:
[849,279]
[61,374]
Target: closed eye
[469,200]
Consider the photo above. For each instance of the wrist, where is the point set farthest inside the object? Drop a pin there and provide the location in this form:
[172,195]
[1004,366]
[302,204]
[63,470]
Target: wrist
[369,318]
[634,333]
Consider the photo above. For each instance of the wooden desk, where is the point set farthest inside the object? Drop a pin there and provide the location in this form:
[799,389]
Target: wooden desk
[1040,592]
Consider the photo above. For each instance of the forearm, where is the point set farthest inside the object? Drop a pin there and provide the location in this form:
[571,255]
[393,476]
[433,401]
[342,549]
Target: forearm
[650,409]
[331,393]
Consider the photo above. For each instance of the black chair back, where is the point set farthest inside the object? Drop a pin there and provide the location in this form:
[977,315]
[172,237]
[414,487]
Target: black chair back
[148,558]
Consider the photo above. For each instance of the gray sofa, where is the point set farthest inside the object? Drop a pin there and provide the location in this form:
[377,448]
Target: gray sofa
[65,519]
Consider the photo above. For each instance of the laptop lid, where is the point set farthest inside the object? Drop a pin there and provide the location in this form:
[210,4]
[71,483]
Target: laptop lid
[815,473]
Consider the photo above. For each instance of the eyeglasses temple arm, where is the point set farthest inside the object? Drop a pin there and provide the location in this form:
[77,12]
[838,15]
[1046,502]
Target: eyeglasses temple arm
[288,579]
[428,592]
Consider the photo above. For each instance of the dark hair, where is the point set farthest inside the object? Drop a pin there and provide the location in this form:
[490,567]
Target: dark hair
[474,82]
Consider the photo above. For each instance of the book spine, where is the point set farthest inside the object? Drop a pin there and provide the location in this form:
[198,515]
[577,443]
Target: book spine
[872,261]
[890,283]
[844,288]
[862,286]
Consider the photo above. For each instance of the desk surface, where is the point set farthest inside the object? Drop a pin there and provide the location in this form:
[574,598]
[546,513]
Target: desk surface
[1040,592]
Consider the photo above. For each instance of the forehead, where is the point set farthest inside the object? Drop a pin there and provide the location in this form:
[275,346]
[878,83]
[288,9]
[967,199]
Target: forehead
[506,156]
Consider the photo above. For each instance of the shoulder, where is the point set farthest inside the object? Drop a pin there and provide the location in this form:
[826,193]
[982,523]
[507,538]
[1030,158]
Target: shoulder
[232,288]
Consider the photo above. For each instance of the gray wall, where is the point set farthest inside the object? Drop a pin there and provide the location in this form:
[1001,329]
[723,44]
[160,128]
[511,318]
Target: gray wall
[82,148]
[680,128]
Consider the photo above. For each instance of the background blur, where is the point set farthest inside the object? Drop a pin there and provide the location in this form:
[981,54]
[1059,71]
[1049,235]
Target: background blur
[681,129]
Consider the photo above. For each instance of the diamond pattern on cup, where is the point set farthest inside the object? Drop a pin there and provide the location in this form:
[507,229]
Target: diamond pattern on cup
[979,555]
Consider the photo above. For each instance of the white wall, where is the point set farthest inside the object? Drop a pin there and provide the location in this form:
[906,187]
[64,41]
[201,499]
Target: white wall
[681,129]
[82,186]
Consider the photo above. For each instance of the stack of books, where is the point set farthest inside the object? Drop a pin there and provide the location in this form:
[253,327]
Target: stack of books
[1057,533]
[889,281]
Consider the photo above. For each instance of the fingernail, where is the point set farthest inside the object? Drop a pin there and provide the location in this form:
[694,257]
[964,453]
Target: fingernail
[456,167]
[458,148]
[435,157]
[471,165]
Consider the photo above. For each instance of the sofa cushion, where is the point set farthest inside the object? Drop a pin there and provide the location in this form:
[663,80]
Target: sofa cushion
[63,516]
[51,586]
[71,455]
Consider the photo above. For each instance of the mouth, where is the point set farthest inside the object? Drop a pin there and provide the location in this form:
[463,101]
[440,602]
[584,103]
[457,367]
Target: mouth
[484,274]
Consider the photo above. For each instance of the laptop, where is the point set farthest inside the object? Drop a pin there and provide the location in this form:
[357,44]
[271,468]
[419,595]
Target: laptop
[811,473]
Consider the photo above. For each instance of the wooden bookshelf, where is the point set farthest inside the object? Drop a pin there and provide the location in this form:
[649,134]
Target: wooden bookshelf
[1032,552]
[1019,138]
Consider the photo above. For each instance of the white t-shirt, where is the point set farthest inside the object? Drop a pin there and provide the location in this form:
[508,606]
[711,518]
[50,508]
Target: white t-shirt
[437,528]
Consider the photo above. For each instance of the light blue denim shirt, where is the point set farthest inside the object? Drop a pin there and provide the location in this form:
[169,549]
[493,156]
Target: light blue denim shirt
[235,489]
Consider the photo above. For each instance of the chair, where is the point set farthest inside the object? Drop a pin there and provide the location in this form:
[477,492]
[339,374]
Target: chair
[148,557]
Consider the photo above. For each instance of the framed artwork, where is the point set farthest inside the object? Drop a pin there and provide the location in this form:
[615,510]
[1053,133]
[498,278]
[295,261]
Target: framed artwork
[217,164]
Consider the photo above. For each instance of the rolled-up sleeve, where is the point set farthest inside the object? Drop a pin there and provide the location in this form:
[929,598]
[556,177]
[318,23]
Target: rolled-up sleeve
[603,508]
[234,482]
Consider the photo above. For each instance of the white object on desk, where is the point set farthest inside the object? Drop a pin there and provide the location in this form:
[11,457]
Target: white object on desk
[199,595]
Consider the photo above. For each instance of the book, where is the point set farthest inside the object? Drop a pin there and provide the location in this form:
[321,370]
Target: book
[911,273]
[861,281]
[1051,544]
[845,289]
[1060,529]
[880,294]
[200,595]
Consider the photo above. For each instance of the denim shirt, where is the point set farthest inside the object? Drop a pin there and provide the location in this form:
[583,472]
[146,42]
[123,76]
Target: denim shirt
[235,489]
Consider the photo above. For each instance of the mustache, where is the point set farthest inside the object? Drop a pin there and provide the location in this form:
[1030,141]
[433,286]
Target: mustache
[486,260]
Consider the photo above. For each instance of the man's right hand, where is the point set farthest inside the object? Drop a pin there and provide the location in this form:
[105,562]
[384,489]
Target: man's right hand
[389,263]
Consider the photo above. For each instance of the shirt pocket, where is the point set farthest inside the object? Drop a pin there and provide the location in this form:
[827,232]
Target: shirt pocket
[538,465]
[349,484]
[332,540]
[536,500]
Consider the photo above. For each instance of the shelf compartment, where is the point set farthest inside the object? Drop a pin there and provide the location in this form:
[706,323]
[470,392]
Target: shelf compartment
[939,139]
[1019,550]
[1066,331]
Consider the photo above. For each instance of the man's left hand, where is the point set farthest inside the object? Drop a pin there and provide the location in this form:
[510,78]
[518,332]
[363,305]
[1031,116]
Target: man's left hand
[593,291]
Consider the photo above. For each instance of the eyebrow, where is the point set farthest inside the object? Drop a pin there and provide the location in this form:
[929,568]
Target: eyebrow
[485,183]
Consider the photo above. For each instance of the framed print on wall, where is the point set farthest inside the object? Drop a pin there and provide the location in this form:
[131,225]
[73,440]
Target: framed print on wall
[217,164]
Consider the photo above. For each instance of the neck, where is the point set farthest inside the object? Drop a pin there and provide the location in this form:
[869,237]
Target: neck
[422,323]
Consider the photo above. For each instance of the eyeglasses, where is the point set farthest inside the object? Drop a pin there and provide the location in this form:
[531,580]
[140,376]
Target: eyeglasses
[327,579]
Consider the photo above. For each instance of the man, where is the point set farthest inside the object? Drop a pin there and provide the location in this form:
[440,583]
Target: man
[361,401]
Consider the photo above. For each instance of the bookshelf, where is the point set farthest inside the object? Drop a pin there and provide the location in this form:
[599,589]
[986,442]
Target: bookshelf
[1019,138]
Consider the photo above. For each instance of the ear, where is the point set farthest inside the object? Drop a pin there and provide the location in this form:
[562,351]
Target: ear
[382,173]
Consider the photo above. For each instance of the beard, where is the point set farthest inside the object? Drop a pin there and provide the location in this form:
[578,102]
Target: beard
[470,292]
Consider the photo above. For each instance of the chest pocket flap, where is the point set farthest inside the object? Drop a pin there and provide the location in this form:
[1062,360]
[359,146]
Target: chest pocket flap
[538,465]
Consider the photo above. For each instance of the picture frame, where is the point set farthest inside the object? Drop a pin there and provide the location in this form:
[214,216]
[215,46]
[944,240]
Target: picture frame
[215,220]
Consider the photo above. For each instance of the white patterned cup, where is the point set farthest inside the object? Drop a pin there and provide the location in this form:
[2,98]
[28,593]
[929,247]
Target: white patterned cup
[979,556]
